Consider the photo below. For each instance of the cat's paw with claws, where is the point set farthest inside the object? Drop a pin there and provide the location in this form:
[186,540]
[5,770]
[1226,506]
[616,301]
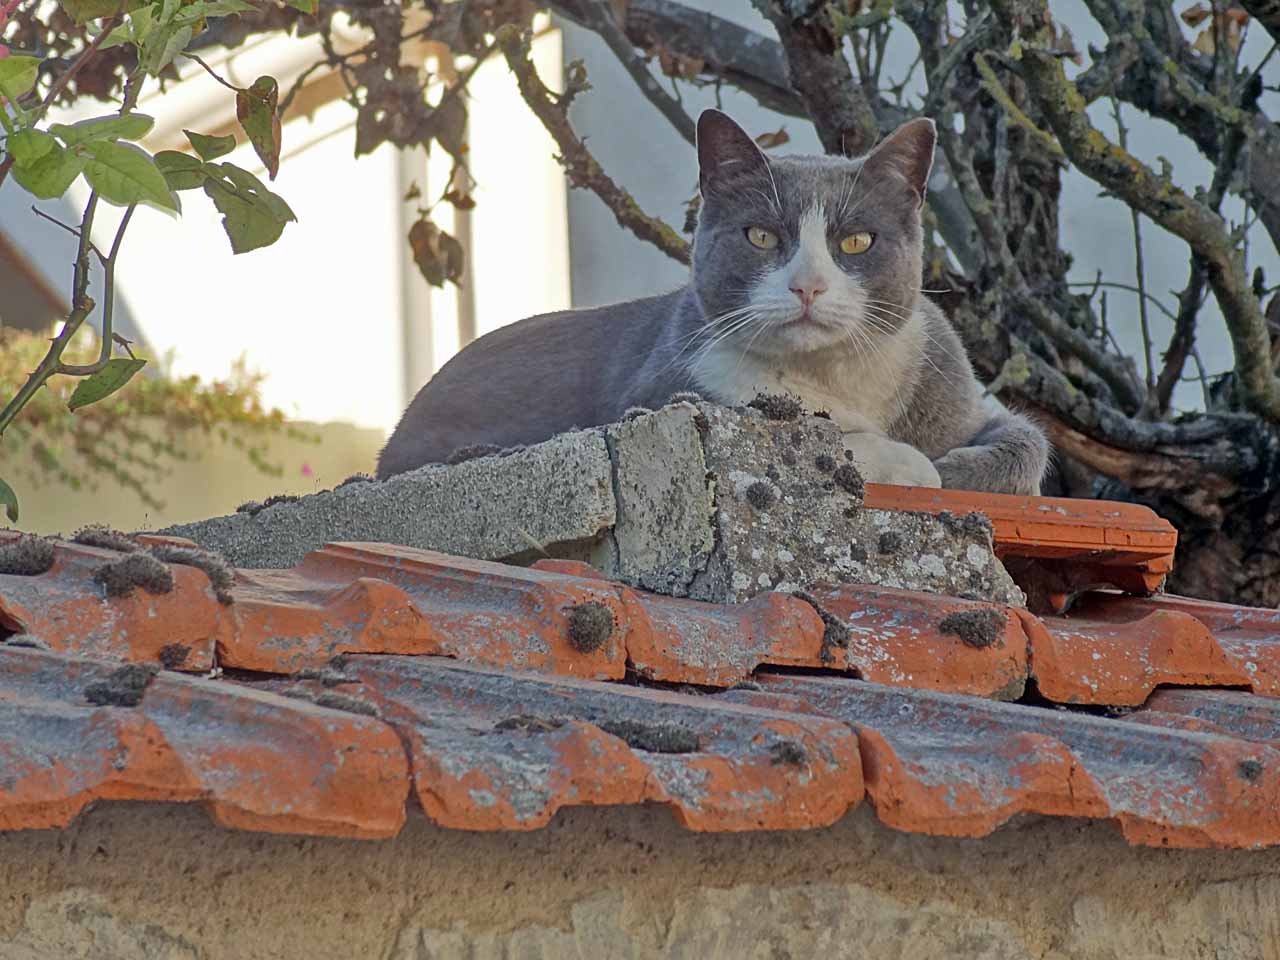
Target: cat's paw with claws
[881,460]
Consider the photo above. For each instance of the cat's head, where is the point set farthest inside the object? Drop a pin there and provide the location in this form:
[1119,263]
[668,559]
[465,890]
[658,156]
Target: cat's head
[797,254]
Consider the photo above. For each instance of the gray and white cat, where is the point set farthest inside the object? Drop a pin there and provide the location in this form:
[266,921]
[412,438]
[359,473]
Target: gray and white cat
[806,280]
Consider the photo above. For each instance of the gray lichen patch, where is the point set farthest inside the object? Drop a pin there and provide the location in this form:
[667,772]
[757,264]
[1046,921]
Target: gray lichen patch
[105,538]
[979,628]
[27,557]
[123,687]
[653,737]
[590,625]
[222,576]
[119,578]
[778,406]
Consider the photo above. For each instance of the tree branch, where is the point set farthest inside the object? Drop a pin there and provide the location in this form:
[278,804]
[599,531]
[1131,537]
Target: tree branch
[599,18]
[579,164]
[1267,13]
[1159,198]
[820,75]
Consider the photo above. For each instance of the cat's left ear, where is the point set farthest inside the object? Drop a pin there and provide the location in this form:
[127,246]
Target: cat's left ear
[908,152]
[724,151]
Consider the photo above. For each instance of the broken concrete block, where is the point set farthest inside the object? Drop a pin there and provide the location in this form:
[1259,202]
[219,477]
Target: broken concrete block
[691,501]
[491,508]
[779,507]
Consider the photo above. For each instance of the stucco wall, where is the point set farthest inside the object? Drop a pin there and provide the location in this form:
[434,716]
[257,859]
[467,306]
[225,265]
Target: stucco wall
[133,881]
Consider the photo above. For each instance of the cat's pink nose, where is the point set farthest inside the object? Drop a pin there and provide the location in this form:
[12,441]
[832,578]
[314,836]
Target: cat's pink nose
[809,291]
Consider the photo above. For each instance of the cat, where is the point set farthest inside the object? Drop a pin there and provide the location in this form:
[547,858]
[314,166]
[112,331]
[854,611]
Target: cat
[806,281]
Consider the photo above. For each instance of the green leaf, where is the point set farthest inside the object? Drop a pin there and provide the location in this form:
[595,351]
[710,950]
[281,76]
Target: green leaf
[256,111]
[167,9]
[9,500]
[306,6]
[124,174]
[216,8]
[252,215]
[162,45]
[181,171]
[211,148]
[141,23]
[105,382]
[49,176]
[83,11]
[18,75]
[250,185]
[121,34]
[132,126]
[28,146]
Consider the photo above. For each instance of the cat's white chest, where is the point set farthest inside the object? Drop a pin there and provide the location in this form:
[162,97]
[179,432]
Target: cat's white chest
[860,393]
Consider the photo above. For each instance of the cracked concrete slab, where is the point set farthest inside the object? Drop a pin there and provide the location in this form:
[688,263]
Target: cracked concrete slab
[693,500]
[490,508]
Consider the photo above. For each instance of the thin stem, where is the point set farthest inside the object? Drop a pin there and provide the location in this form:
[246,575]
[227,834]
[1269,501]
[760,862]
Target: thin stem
[70,229]
[108,302]
[209,70]
[1115,285]
[1139,267]
[82,306]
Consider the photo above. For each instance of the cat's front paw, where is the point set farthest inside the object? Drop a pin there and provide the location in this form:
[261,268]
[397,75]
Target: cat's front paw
[984,469]
[881,460]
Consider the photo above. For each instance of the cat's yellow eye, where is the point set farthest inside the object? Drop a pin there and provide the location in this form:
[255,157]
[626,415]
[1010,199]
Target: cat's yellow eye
[856,243]
[762,238]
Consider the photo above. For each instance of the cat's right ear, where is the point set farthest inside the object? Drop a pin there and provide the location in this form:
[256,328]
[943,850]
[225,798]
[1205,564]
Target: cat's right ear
[724,150]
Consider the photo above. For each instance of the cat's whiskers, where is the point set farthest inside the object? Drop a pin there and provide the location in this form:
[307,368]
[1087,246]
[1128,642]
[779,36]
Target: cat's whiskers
[884,324]
[848,195]
[899,311]
[877,354]
[748,316]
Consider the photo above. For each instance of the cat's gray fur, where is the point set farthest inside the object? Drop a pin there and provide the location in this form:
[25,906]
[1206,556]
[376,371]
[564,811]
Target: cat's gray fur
[867,347]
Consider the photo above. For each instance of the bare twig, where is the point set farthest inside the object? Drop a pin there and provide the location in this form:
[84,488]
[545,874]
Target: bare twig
[1183,341]
[74,231]
[821,77]
[579,164]
[1156,196]
[991,83]
[598,16]
[1135,218]
[1267,13]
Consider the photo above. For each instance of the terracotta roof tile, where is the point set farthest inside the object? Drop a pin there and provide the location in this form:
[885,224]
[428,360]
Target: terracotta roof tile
[943,764]
[495,695]
[259,762]
[494,750]
[67,609]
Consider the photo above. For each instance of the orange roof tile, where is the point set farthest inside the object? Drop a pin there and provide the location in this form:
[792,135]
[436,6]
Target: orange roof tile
[495,695]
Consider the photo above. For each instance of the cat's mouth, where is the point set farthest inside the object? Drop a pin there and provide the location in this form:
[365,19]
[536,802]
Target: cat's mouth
[804,317]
